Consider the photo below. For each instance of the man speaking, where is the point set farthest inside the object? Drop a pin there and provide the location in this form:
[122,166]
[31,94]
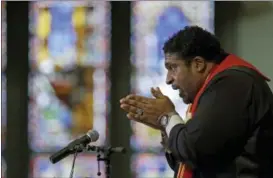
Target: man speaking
[229,132]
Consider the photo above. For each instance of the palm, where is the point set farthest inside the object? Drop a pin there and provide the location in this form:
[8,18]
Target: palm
[152,108]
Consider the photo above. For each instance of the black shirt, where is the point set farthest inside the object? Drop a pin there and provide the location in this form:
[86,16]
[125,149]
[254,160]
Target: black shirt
[231,132]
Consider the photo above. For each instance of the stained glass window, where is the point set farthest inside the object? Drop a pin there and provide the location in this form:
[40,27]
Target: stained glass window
[3,75]
[3,35]
[153,22]
[68,83]
[3,168]
[150,165]
[85,166]
[3,110]
[3,87]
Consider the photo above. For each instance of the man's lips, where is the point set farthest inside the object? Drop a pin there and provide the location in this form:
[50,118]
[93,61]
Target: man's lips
[175,87]
[181,92]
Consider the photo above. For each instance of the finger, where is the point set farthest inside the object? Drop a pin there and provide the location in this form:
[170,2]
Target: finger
[133,116]
[159,92]
[153,92]
[149,125]
[141,98]
[129,108]
[136,118]
[141,119]
[122,100]
[134,106]
[135,103]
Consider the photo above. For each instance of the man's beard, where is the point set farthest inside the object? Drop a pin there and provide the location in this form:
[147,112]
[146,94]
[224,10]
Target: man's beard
[182,94]
[184,97]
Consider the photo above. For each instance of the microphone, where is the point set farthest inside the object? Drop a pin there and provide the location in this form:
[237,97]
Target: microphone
[90,136]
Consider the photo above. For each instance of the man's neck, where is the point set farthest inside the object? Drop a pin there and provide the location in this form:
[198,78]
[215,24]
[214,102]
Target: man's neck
[210,68]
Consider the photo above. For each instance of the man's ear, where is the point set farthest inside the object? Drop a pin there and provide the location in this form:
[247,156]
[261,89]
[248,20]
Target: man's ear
[199,64]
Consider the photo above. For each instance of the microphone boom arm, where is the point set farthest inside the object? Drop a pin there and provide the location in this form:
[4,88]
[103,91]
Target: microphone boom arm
[106,151]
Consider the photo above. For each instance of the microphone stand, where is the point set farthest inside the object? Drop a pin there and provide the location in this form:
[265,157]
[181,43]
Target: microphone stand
[107,152]
[106,160]
[77,149]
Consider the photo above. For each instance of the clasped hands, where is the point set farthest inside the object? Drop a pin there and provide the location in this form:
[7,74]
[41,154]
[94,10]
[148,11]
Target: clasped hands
[147,110]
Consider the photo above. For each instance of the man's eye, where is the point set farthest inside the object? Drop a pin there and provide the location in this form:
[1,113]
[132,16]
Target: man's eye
[173,67]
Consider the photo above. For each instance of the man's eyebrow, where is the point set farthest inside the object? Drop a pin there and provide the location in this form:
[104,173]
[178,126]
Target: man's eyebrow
[168,64]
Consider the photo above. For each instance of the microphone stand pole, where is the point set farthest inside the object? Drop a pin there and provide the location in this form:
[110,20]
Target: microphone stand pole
[107,152]
[106,160]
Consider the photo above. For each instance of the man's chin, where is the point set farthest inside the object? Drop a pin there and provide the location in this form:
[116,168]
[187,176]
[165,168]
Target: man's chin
[186,100]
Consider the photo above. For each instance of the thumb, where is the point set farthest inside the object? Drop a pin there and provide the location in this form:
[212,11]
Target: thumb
[157,92]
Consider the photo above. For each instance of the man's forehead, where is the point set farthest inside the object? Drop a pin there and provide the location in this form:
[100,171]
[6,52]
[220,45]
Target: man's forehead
[171,58]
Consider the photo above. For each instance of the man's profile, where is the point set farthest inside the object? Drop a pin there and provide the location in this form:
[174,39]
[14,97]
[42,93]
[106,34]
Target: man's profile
[229,132]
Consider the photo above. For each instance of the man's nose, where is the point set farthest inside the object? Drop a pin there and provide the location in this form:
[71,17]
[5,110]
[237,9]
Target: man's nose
[169,79]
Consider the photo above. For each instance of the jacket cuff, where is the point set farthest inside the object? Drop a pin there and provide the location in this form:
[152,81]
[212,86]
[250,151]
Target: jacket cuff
[174,120]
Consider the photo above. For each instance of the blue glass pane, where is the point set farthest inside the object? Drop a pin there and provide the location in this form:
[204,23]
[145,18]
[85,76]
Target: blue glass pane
[68,83]
[153,23]
[85,166]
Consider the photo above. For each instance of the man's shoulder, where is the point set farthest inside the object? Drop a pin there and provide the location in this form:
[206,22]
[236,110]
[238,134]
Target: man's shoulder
[230,77]
[248,80]
[246,75]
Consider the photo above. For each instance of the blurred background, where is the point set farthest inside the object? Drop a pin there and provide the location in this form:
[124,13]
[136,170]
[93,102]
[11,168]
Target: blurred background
[66,64]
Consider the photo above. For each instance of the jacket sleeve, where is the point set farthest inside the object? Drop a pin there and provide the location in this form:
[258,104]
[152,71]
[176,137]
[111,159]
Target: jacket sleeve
[171,161]
[169,157]
[217,132]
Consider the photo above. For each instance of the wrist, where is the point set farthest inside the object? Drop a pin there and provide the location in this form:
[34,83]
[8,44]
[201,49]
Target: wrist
[164,119]
[173,121]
